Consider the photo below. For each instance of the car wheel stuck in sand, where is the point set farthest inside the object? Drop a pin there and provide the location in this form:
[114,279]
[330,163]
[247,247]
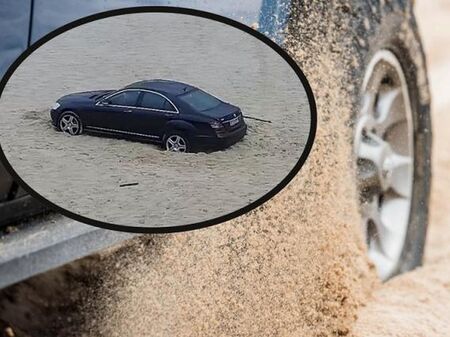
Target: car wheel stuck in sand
[392,149]
[180,117]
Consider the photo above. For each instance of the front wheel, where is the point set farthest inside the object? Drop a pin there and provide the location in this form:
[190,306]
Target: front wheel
[70,123]
[176,142]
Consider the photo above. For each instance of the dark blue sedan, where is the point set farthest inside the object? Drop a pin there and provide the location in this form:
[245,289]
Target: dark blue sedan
[180,117]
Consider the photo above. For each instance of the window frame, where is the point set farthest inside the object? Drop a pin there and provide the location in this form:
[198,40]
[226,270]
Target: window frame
[141,91]
[101,102]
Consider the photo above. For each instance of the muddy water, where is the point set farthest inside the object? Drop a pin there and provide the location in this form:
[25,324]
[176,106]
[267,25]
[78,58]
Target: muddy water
[84,174]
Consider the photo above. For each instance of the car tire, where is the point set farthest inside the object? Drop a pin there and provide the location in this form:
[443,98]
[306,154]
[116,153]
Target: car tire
[176,141]
[70,123]
[389,43]
[387,28]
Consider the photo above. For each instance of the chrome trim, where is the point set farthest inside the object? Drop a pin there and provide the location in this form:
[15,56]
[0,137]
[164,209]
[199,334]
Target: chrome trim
[120,131]
[138,107]
[235,119]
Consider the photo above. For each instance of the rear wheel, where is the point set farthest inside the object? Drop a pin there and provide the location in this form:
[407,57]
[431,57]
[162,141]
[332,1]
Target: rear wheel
[176,142]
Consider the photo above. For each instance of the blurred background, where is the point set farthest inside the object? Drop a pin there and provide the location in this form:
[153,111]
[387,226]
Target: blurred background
[434,23]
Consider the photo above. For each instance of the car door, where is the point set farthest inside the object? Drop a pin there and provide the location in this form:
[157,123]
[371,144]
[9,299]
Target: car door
[113,113]
[152,114]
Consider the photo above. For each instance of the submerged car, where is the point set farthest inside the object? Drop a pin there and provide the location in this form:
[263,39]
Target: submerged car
[180,117]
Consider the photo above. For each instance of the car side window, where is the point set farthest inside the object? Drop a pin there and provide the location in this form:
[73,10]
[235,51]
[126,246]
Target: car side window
[125,98]
[155,101]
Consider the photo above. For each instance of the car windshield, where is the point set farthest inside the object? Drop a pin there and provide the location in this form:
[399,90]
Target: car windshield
[200,100]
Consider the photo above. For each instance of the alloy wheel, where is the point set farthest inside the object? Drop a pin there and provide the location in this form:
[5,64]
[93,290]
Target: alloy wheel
[176,143]
[69,124]
[384,150]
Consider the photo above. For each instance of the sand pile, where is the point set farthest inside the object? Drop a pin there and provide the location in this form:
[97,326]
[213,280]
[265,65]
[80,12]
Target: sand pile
[412,305]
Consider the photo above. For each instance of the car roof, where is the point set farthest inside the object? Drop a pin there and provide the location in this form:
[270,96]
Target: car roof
[170,87]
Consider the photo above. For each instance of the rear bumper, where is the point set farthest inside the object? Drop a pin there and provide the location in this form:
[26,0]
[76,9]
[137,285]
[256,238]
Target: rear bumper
[216,142]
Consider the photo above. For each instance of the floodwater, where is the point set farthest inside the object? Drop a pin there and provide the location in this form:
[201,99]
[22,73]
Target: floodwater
[84,174]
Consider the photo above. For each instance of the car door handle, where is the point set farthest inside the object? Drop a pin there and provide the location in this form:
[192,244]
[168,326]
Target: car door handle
[128,110]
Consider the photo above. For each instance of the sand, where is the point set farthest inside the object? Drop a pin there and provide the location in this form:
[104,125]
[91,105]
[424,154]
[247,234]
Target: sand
[294,266]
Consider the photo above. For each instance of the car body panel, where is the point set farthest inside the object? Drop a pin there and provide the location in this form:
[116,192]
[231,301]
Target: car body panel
[14,30]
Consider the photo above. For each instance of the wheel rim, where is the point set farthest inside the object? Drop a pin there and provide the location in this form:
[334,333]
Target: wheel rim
[176,143]
[384,151]
[69,124]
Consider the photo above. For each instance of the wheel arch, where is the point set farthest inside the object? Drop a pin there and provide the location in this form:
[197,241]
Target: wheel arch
[181,126]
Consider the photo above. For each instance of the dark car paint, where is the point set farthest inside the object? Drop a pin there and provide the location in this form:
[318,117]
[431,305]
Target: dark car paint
[151,124]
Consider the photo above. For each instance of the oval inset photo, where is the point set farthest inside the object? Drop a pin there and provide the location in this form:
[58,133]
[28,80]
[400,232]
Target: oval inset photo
[155,120]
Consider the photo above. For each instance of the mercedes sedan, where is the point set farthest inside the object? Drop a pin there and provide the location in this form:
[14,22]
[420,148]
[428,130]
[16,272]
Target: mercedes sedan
[180,117]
